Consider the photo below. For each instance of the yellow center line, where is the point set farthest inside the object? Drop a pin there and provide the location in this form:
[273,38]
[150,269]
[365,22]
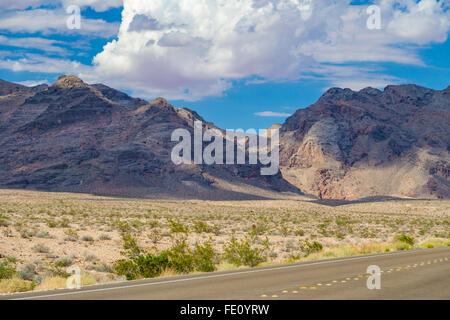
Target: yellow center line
[313,288]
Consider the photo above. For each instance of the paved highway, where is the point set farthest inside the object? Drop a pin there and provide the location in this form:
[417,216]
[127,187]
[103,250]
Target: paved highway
[421,274]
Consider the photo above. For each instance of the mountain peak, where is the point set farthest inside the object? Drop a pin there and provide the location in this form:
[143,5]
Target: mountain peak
[69,81]
[160,102]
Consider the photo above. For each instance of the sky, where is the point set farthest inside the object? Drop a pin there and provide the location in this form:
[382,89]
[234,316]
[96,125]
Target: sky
[238,63]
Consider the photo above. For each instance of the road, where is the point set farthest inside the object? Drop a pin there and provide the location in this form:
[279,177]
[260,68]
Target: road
[421,274]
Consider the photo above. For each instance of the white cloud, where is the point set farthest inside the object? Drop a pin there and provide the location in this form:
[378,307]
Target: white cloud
[33,83]
[190,48]
[97,5]
[272,114]
[25,4]
[421,23]
[42,64]
[42,44]
[50,21]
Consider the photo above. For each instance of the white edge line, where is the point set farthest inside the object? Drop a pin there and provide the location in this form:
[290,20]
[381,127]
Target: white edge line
[219,275]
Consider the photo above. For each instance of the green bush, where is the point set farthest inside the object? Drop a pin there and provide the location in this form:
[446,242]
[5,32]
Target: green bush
[142,266]
[3,221]
[7,268]
[245,252]
[178,227]
[405,239]
[180,258]
[200,227]
[205,257]
[308,248]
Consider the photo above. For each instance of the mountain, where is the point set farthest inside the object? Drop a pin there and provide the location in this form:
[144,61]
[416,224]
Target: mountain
[76,137]
[352,145]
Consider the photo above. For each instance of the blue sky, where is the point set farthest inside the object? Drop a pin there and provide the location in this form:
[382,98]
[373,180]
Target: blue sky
[240,64]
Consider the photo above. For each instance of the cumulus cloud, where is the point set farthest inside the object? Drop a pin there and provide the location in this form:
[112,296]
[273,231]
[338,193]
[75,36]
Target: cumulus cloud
[190,48]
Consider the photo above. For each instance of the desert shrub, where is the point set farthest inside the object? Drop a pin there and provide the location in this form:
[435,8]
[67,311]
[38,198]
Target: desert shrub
[308,248]
[72,235]
[64,223]
[178,227]
[405,239]
[52,224]
[104,237]
[201,227]
[402,246]
[40,248]
[43,234]
[258,230]
[7,268]
[139,265]
[180,258]
[3,221]
[28,272]
[91,257]
[342,221]
[63,262]
[142,266]
[245,252]
[155,236]
[26,234]
[103,268]
[205,257]
[87,238]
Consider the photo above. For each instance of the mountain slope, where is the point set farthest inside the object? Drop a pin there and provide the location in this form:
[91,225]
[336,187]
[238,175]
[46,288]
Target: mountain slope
[77,137]
[352,145]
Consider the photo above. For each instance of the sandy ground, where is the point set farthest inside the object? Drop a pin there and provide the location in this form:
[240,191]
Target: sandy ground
[43,228]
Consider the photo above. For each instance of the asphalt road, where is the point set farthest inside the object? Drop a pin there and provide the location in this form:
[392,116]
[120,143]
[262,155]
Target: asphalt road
[421,274]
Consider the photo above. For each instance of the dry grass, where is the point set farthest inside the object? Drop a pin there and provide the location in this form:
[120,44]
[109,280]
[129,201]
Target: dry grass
[15,285]
[60,282]
[85,230]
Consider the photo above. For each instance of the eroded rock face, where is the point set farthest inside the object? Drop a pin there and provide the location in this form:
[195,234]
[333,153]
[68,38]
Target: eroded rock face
[351,145]
[77,137]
